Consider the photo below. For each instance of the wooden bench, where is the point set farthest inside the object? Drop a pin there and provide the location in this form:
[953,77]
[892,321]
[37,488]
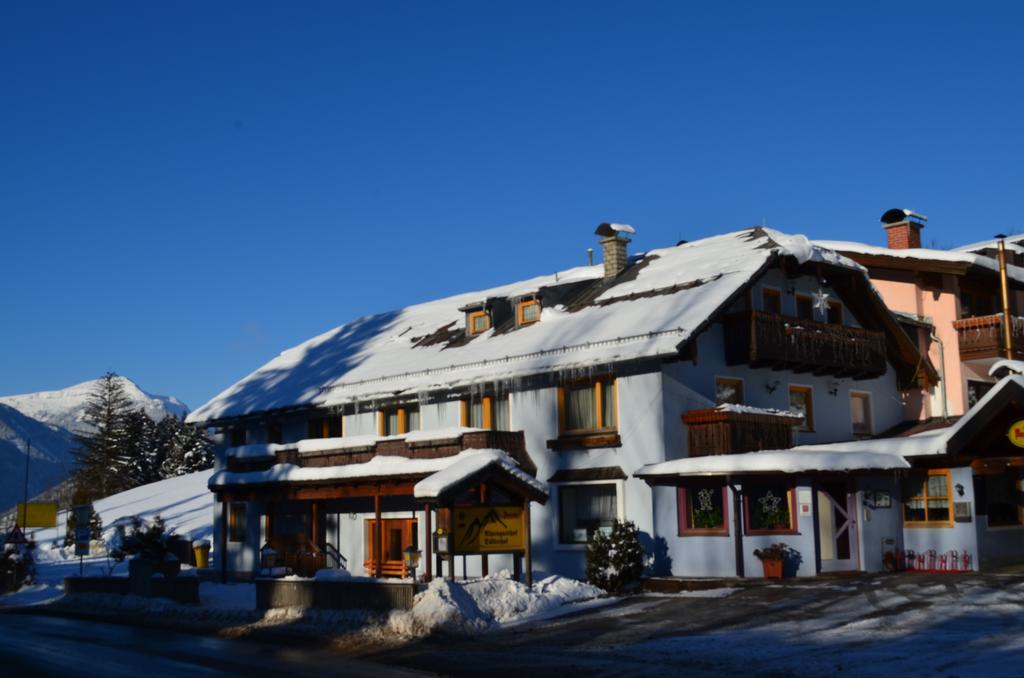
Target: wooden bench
[388,568]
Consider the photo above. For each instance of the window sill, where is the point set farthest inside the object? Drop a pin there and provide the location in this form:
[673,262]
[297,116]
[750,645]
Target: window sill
[928,525]
[704,533]
[769,533]
[572,441]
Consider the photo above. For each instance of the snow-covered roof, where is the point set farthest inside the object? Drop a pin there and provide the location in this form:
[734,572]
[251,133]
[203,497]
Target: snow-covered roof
[776,461]
[923,254]
[1013,244]
[438,484]
[750,409]
[671,293]
[442,472]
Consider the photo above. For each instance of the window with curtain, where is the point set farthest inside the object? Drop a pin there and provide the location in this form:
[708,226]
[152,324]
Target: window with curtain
[489,412]
[398,420]
[585,510]
[728,390]
[860,413]
[802,403]
[236,521]
[589,405]
[929,499]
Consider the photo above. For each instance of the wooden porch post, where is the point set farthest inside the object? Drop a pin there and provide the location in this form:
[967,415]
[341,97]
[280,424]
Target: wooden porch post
[428,575]
[378,537]
[223,546]
[483,501]
[314,528]
[529,544]
[737,525]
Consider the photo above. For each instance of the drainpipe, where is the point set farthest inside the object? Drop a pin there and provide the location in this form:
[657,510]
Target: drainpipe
[942,372]
[737,524]
[1007,334]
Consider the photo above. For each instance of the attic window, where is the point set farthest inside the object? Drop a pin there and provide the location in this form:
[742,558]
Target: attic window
[478,322]
[528,311]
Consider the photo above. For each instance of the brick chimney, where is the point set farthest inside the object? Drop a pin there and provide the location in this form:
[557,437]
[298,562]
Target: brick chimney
[903,228]
[613,244]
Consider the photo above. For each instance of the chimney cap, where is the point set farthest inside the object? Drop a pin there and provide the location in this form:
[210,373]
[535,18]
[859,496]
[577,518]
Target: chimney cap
[897,215]
[607,230]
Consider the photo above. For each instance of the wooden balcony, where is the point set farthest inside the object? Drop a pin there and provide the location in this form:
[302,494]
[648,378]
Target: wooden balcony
[716,431]
[786,343]
[981,337]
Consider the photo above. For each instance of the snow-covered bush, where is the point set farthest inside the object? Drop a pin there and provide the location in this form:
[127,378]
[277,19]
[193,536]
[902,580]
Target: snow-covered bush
[17,566]
[149,542]
[616,560]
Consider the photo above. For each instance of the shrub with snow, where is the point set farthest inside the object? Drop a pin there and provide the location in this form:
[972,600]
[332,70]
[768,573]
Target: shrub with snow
[17,566]
[147,541]
[95,528]
[616,560]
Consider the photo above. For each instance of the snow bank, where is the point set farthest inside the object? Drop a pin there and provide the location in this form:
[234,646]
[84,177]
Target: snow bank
[482,604]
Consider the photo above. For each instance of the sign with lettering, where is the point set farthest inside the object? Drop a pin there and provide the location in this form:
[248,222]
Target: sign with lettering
[37,514]
[488,529]
[83,515]
[1016,433]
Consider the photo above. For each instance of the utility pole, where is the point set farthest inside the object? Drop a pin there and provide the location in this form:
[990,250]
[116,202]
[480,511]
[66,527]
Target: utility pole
[1007,320]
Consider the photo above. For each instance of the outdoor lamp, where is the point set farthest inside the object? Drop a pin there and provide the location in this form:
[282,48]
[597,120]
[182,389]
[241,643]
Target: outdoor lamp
[959,490]
[411,557]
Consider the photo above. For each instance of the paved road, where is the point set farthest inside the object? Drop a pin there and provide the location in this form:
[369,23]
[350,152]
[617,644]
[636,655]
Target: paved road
[51,646]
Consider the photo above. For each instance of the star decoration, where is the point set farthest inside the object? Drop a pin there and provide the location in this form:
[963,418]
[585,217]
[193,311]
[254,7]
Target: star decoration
[769,502]
[821,301]
[704,500]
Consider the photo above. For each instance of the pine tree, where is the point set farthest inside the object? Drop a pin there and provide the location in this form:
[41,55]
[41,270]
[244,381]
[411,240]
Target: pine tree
[186,448]
[616,560]
[198,450]
[140,449]
[102,466]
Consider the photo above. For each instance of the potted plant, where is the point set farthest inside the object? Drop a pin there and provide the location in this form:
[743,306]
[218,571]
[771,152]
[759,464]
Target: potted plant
[772,559]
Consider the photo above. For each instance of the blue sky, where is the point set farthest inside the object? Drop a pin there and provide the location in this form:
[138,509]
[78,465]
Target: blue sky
[188,188]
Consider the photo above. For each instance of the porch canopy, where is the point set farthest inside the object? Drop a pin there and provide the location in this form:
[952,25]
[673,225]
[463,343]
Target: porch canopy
[790,461]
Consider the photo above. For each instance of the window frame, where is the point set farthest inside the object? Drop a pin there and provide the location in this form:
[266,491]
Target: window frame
[683,509]
[869,413]
[808,423]
[489,403]
[790,501]
[521,308]
[472,316]
[736,381]
[949,497]
[237,528]
[325,426]
[620,509]
[402,420]
[834,306]
[599,396]
[1015,485]
[798,298]
[769,291]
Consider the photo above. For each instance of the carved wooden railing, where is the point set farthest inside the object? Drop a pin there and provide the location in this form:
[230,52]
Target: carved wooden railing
[715,431]
[982,337]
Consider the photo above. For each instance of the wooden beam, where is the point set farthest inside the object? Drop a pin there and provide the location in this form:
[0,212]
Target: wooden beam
[314,509]
[303,493]
[223,546]
[529,542]
[428,547]
[378,537]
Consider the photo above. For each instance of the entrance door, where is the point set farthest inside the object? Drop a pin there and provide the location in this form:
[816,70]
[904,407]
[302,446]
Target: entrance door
[837,528]
[399,534]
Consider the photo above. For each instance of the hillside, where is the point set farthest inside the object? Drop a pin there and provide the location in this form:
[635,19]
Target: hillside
[65,408]
[50,462]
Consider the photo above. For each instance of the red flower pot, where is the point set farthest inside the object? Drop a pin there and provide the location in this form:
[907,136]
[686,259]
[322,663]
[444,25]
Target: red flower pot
[772,569]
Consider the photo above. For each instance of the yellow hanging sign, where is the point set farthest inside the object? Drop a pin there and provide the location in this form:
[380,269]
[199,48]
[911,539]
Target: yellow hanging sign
[1016,433]
[488,529]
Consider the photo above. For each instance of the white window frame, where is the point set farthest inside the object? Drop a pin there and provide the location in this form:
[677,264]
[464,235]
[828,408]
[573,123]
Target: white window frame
[620,507]
[800,428]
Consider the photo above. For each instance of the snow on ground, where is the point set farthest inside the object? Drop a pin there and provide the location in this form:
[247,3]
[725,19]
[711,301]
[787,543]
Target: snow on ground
[185,503]
[491,602]
[909,629]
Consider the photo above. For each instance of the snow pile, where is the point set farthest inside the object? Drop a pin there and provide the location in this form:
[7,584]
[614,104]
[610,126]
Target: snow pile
[482,604]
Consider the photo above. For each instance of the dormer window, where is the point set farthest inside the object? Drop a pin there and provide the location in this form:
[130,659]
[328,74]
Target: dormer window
[528,311]
[478,322]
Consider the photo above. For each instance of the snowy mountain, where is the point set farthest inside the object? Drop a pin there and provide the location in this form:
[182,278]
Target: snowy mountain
[50,419]
[50,461]
[66,407]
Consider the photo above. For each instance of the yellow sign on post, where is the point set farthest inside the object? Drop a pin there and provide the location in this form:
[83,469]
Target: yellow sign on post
[488,529]
[37,514]
[1016,433]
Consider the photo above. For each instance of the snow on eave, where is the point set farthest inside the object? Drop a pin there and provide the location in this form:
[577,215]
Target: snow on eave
[750,409]
[775,461]
[317,445]
[1006,367]
[442,482]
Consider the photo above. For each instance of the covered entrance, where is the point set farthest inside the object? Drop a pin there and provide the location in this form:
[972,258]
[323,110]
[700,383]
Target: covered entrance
[837,527]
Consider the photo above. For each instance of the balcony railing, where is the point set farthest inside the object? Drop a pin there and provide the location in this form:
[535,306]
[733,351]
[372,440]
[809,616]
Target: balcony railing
[982,337]
[716,431]
[783,342]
